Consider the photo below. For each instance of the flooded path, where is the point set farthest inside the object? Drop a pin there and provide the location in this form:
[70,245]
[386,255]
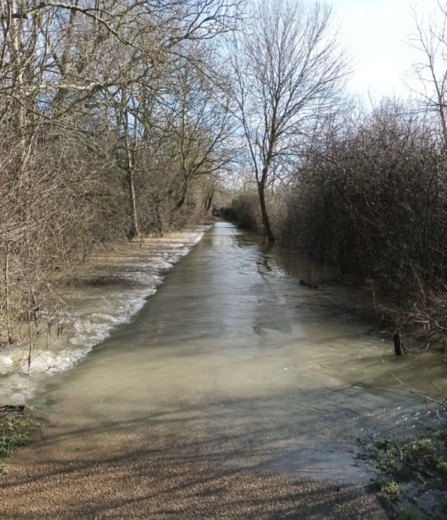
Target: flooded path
[231,371]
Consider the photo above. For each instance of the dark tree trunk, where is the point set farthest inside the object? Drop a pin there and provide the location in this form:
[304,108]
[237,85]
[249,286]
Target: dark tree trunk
[180,202]
[134,228]
[182,199]
[208,201]
[265,217]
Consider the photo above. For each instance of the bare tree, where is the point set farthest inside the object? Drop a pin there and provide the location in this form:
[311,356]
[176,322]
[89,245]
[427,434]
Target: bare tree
[289,67]
[78,82]
[430,43]
[200,131]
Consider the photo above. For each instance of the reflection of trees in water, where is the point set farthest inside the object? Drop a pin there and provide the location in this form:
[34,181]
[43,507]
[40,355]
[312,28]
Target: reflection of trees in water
[263,264]
[293,263]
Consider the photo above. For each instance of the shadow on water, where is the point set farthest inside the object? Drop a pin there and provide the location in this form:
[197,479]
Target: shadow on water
[231,368]
[166,485]
[182,462]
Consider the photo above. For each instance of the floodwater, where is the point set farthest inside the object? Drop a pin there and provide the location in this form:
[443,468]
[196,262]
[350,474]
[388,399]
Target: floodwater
[233,361]
[110,288]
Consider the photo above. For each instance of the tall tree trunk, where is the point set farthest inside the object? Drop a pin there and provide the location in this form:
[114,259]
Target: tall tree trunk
[208,200]
[180,202]
[182,199]
[134,228]
[265,217]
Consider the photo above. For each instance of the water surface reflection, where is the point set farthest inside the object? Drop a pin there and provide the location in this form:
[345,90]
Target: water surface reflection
[233,361]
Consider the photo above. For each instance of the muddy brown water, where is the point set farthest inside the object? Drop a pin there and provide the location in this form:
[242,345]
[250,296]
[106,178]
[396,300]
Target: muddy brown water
[233,363]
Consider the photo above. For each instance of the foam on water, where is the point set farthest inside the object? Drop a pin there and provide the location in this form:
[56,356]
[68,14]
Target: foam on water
[93,313]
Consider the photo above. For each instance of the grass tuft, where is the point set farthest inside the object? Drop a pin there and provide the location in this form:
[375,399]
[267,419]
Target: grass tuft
[390,491]
[14,433]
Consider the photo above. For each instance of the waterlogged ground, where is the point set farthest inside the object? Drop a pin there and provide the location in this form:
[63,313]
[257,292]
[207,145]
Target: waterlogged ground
[231,379]
[112,287]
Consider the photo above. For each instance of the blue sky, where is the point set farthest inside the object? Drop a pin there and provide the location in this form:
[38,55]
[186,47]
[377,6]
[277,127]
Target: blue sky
[376,31]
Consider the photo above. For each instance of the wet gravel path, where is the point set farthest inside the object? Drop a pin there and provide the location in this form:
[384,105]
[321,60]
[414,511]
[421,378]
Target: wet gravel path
[110,475]
[135,487]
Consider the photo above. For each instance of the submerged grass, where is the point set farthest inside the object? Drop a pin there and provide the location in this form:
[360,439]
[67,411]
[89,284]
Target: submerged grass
[413,471]
[15,432]
[408,514]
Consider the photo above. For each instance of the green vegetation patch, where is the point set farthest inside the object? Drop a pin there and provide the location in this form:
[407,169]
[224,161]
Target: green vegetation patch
[390,492]
[15,432]
[408,514]
[412,468]
[423,460]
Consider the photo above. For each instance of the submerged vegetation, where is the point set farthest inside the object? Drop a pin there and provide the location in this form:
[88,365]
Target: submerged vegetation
[415,472]
[370,197]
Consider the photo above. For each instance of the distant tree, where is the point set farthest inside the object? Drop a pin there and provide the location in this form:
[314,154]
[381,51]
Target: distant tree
[200,131]
[289,67]
[430,68]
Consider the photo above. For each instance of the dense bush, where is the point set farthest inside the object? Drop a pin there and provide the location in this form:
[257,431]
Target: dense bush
[245,210]
[369,195]
[372,199]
